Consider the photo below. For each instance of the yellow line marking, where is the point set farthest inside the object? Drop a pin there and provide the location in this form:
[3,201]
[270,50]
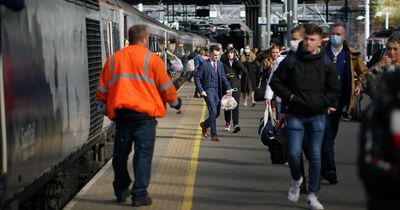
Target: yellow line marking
[189,189]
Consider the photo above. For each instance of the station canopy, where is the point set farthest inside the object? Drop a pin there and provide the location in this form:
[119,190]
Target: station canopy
[197,2]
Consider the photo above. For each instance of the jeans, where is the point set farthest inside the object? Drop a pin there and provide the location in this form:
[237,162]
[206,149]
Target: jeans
[214,106]
[233,114]
[142,133]
[312,128]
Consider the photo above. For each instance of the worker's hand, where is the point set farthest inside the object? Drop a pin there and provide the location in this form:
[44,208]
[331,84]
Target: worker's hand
[179,111]
[101,107]
[203,94]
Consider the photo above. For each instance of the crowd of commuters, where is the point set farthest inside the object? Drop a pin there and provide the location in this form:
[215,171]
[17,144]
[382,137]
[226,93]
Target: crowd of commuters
[311,87]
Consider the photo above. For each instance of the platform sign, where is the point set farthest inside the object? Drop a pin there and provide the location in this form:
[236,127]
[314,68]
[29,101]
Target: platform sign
[242,14]
[262,20]
[274,19]
[213,14]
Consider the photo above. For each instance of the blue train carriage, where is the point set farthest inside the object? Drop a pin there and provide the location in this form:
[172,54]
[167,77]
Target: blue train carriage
[52,53]
[53,139]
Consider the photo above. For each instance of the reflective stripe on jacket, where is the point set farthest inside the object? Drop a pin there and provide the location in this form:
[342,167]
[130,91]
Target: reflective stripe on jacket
[135,78]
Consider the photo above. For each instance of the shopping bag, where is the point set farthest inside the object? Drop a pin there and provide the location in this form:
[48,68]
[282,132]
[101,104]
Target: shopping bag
[228,102]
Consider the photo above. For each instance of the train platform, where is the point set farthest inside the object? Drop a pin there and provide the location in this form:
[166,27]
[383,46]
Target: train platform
[234,173]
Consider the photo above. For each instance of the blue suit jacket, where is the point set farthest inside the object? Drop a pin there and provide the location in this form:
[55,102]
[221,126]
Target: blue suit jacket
[202,78]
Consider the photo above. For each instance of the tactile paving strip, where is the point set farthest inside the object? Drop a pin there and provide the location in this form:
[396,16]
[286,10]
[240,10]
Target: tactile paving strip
[172,184]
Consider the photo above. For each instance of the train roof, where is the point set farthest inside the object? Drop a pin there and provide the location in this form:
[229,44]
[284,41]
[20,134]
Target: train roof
[132,10]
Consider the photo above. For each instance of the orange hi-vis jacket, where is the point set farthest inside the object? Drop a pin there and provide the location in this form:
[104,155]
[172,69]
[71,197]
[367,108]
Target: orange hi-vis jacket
[135,78]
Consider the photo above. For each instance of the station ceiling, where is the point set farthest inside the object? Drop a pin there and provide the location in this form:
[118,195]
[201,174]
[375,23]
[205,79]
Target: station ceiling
[197,2]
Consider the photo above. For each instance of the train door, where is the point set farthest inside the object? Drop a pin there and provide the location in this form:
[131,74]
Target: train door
[3,141]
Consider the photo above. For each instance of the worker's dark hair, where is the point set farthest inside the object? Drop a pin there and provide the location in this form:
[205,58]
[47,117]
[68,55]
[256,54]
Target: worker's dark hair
[137,33]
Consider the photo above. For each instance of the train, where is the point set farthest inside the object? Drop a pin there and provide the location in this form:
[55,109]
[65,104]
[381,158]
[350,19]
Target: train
[53,139]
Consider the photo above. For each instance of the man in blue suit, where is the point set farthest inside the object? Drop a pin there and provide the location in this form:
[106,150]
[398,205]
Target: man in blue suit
[209,78]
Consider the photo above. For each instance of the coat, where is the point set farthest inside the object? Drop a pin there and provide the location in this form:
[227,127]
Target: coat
[202,78]
[356,70]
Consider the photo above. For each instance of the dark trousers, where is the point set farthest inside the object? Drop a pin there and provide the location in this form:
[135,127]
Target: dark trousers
[214,106]
[328,151]
[233,114]
[142,133]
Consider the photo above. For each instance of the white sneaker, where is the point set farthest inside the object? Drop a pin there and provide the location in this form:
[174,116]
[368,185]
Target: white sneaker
[227,127]
[313,203]
[294,190]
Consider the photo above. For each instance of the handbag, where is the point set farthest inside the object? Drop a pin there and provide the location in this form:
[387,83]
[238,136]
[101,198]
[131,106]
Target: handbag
[259,93]
[267,128]
[228,102]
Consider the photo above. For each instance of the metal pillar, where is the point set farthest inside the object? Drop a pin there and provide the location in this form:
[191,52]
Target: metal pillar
[268,23]
[327,11]
[295,20]
[366,29]
[386,20]
[263,27]
[289,19]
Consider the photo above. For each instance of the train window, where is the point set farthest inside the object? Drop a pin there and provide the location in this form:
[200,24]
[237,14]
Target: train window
[156,42]
[111,38]
[151,43]
[115,36]
[125,27]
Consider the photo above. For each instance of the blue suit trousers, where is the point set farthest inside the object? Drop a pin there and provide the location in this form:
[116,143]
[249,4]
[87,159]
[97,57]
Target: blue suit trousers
[214,106]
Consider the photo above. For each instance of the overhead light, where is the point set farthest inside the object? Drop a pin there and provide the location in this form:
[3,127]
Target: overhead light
[360,17]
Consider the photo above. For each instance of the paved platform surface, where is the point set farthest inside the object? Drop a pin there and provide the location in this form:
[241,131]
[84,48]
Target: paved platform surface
[234,173]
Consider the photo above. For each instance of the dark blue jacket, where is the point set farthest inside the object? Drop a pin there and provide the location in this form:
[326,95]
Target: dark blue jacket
[202,78]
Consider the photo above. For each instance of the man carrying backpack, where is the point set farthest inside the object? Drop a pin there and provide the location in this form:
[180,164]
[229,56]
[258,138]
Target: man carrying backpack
[307,82]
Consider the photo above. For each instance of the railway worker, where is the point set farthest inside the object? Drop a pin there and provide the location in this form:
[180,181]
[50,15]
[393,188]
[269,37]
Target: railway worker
[133,89]
[350,69]
[307,97]
[210,79]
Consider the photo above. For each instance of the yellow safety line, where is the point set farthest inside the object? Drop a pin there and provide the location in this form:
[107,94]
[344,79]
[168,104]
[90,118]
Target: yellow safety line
[189,189]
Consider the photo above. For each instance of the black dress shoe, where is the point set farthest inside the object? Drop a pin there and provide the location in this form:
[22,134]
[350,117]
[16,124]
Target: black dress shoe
[331,177]
[142,202]
[124,195]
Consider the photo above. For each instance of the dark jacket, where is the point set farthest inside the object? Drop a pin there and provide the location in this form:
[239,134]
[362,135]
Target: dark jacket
[379,154]
[311,79]
[354,74]
[234,73]
[202,78]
